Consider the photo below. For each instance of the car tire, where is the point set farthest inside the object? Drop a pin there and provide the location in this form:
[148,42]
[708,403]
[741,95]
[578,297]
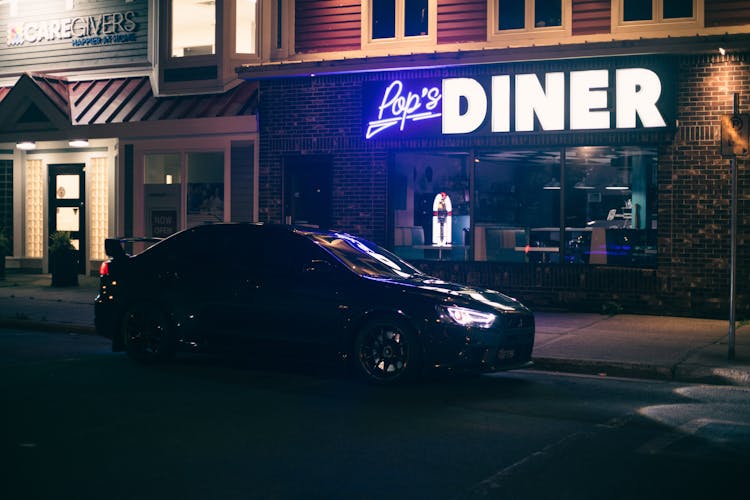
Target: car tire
[387,352]
[147,333]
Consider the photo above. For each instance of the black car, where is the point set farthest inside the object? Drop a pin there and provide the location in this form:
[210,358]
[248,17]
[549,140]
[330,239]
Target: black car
[220,285]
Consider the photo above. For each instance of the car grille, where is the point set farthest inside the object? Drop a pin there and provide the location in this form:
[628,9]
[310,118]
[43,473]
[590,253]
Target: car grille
[510,322]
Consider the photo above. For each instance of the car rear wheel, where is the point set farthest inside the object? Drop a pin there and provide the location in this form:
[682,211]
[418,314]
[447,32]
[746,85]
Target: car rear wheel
[146,333]
[387,352]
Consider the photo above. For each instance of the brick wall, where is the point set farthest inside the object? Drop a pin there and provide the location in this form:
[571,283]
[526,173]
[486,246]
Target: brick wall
[694,191]
[322,115]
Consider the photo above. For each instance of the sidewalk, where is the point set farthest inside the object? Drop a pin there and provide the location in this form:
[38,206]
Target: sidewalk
[624,345]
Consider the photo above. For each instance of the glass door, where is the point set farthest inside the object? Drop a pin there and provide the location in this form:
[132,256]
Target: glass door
[66,206]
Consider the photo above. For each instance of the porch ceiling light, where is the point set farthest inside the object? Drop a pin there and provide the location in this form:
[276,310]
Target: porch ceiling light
[78,143]
[26,145]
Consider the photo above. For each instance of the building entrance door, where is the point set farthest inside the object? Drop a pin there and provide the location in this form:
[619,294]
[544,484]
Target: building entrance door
[307,190]
[67,197]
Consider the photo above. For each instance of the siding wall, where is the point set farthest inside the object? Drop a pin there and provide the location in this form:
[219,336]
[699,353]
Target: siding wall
[727,12]
[327,25]
[461,21]
[335,25]
[591,17]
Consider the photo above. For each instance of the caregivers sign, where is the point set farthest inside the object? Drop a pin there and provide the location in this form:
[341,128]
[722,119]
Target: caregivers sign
[625,98]
[99,29]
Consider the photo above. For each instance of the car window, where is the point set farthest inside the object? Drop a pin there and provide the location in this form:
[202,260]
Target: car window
[364,257]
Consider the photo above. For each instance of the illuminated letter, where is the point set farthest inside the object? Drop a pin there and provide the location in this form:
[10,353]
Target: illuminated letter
[584,99]
[453,90]
[549,104]
[638,90]
[501,103]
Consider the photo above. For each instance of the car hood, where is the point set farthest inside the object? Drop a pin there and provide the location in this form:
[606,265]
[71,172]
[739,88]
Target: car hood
[449,292]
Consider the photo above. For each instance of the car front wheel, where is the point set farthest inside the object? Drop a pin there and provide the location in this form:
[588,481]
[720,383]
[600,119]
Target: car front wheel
[147,333]
[387,352]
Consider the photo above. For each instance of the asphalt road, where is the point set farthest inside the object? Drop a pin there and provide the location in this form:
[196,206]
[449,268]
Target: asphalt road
[79,422]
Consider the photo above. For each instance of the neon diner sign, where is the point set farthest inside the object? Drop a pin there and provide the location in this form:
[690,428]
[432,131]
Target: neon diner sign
[397,109]
[578,100]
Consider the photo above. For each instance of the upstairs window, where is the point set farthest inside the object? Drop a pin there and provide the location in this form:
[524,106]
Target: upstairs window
[528,14]
[193,28]
[655,11]
[246,28]
[400,19]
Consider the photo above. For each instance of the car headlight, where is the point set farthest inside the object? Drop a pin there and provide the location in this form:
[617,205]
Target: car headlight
[467,317]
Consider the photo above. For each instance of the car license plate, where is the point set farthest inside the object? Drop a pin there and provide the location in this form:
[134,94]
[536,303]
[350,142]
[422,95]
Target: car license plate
[506,354]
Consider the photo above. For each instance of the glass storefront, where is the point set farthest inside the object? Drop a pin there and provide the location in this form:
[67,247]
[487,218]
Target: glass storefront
[582,205]
[199,175]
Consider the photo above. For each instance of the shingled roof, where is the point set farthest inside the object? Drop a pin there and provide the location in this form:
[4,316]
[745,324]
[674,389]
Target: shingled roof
[122,100]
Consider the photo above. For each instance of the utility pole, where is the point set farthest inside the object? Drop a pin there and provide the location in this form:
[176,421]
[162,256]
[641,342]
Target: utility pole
[734,141]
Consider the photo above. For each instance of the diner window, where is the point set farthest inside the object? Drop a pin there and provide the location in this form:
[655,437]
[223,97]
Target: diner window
[527,14]
[517,206]
[400,19]
[582,205]
[639,11]
[610,206]
[193,24]
[430,205]
[246,27]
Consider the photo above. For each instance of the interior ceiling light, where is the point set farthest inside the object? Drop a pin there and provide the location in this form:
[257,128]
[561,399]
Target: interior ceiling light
[26,145]
[78,143]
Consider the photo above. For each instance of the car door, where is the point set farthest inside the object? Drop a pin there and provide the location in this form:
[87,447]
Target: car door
[301,292]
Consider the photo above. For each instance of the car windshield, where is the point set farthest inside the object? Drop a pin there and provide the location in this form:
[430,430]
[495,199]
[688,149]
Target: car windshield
[363,257]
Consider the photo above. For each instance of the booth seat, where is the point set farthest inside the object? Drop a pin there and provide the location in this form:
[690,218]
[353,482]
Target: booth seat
[500,243]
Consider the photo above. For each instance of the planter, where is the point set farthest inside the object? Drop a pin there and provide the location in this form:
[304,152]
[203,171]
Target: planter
[64,268]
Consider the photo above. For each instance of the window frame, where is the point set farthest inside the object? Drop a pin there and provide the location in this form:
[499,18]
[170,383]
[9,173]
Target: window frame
[658,23]
[529,34]
[400,39]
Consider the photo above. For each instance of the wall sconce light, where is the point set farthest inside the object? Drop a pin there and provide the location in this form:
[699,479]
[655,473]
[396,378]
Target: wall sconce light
[26,145]
[78,143]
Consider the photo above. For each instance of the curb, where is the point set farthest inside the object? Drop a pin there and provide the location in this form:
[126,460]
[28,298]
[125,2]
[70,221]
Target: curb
[689,373]
[605,368]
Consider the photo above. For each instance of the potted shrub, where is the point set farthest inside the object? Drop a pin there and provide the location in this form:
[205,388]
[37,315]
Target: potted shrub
[5,249]
[63,260]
